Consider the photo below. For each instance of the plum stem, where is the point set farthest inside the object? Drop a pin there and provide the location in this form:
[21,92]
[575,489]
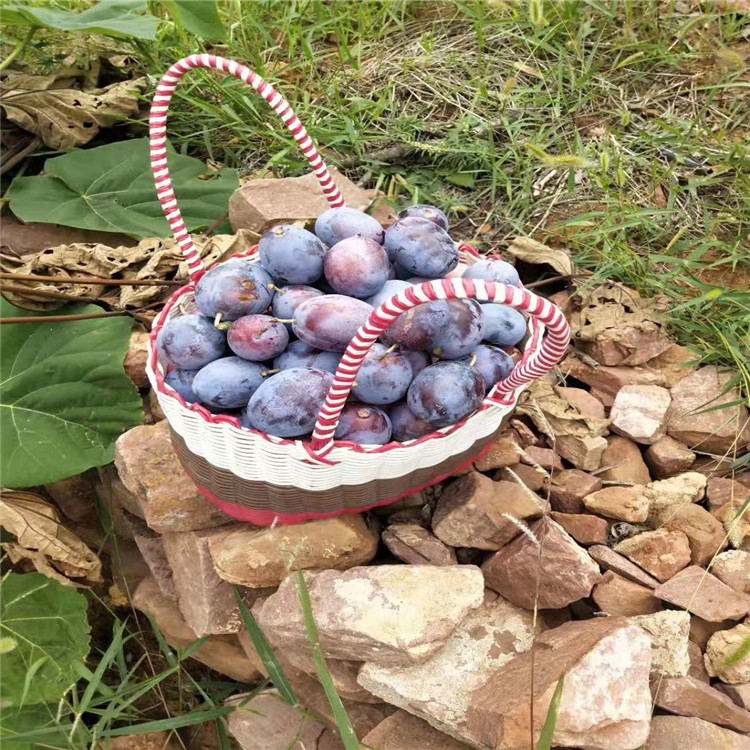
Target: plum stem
[269,372]
[218,324]
[285,320]
[277,289]
[473,359]
[390,349]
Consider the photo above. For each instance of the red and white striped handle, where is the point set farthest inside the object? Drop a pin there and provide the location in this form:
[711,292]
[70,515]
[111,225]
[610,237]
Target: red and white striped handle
[550,352]
[158,144]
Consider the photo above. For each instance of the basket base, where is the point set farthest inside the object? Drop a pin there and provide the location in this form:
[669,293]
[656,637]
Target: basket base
[263,504]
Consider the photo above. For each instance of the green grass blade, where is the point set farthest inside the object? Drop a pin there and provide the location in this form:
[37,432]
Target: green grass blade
[176,722]
[344,724]
[548,730]
[266,653]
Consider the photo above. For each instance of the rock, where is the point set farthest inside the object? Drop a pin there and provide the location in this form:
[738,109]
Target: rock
[169,501]
[736,524]
[728,655]
[697,665]
[587,404]
[661,553]
[147,741]
[505,451]
[701,630]
[151,546]
[221,653]
[266,722]
[115,495]
[408,503]
[439,690]
[740,694]
[415,545]
[402,731]
[544,457]
[675,364]
[623,457]
[669,631]
[260,204]
[605,703]
[668,457]
[75,497]
[713,466]
[607,381]
[474,512]
[640,413]
[717,430]
[561,570]
[205,600]
[705,534]
[584,453]
[673,492]
[720,492]
[136,358]
[388,614]
[525,434]
[568,488]
[154,407]
[701,593]
[585,529]
[523,476]
[688,696]
[262,558]
[623,503]
[611,560]
[733,568]
[616,595]
[686,733]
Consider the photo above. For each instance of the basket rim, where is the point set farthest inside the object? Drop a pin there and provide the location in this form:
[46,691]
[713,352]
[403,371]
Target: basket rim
[156,371]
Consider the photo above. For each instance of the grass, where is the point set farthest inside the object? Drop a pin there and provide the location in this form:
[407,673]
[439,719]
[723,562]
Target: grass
[617,129]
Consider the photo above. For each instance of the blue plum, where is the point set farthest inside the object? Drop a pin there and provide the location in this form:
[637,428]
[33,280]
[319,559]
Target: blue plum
[423,211]
[416,328]
[391,288]
[503,326]
[417,360]
[492,363]
[235,288]
[446,392]
[182,382]
[287,404]
[338,224]
[493,270]
[406,426]
[463,331]
[191,341]
[300,354]
[365,425]
[329,322]
[357,267]
[257,337]
[228,383]
[383,378]
[421,247]
[287,298]
[291,254]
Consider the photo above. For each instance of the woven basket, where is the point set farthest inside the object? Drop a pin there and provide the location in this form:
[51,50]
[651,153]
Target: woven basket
[263,479]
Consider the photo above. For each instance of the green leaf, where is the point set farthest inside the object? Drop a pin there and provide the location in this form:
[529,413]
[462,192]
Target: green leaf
[111,189]
[548,730]
[32,727]
[64,396]
[200,17]
[462,179]
[119,18]
[49,622]
[266,653]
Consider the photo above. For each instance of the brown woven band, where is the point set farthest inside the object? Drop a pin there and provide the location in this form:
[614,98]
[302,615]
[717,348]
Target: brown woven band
[230,488]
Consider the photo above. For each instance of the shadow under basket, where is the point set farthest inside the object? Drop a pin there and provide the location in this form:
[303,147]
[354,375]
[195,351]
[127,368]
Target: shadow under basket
[262,504]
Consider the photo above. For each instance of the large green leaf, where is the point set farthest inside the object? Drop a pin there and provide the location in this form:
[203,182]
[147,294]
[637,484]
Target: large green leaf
[64,396]
[199,17]
[121,18]
[48,621]
[111,189]
[33,727]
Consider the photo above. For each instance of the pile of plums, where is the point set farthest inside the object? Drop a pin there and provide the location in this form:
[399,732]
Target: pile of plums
[267,336]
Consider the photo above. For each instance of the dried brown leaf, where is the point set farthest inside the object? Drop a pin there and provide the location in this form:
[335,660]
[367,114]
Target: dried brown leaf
[42,538]
[531,251]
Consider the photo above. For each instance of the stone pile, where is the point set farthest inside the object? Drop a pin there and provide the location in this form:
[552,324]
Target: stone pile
[599,544]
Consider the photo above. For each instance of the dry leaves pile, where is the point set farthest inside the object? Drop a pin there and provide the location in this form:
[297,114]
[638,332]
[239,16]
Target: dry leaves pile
[52,549]
[60,114]
[153,258]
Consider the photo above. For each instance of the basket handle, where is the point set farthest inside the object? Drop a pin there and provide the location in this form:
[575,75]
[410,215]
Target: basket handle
[158,144]
[538,362]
